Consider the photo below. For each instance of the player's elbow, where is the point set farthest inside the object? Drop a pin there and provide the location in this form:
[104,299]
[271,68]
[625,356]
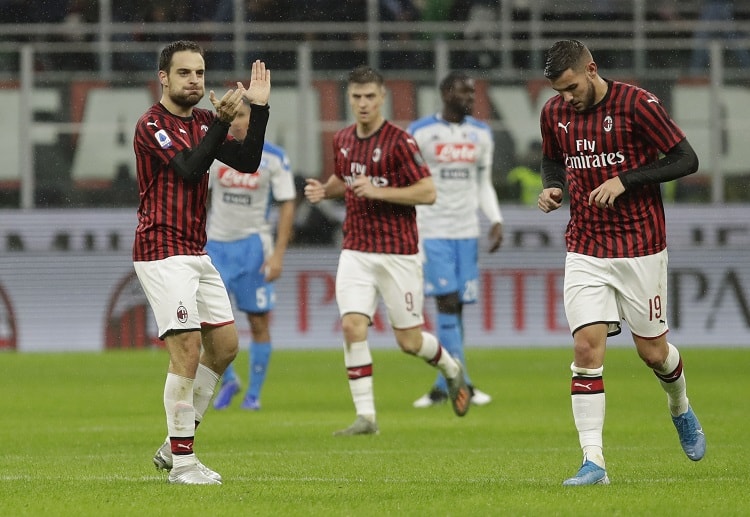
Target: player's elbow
[423,192]
[693,164]
[248,165]
[686,156]
[430,197]
[426,198]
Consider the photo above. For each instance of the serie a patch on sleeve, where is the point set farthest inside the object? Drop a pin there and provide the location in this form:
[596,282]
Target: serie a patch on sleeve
[163,138]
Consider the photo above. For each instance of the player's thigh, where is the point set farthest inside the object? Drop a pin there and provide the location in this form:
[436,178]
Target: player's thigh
[184,352]
[439,267]
[467,253]
[356,288]
[589,296]
[221,344]
[400,283]
[260,326]
[642,293]
[171,287]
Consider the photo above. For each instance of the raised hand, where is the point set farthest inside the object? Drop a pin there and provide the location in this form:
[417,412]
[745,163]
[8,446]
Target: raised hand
[259,90]
[228,106]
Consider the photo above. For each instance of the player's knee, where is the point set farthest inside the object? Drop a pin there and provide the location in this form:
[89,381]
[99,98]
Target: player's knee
[449,303]
[589,344]
[409,341]
[409,346]
[261,337]
[653,352]
[225,353]
[354,329]
[653,358]
[259,327]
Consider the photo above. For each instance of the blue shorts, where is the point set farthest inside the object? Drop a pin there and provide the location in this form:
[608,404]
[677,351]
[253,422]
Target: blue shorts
[239,264]
[451,265]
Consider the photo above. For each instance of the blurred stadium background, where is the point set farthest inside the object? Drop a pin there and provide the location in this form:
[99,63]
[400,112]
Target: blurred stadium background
[76,74]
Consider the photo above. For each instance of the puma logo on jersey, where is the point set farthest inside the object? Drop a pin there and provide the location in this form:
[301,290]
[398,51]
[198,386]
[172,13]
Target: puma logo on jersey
[155,123]
[564,126]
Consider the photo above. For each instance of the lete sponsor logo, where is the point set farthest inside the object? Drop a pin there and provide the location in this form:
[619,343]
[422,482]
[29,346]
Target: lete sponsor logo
[460,152]
[230,178]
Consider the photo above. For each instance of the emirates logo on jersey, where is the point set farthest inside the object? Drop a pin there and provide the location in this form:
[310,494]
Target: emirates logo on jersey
[452,153]
[588,157]
[230,178]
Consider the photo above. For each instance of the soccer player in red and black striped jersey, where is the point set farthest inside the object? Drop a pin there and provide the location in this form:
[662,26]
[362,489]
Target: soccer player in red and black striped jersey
[613,144]
[175,144]
[381,175]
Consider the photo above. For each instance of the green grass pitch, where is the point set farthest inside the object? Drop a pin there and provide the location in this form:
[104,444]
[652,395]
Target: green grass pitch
[78,431]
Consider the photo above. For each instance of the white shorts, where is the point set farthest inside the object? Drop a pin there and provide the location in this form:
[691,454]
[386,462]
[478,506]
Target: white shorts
[362,277]
[610,290]
[185,292]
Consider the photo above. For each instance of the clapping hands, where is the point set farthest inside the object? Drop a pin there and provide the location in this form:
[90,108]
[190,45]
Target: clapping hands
[258,92]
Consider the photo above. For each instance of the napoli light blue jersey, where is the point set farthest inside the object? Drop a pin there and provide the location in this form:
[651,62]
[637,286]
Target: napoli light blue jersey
[460,159]
[239,230]
[241,203]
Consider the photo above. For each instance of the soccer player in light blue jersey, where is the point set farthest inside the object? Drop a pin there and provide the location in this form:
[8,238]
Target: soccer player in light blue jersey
[458,150]
[241,246]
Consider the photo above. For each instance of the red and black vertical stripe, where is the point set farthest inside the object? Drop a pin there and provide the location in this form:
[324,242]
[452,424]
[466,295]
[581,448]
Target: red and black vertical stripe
[172,211]
[391,159]
[626,130]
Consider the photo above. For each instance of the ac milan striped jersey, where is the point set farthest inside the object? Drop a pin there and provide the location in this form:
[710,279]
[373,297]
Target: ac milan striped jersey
[172,210]
[391,158]
[627,129]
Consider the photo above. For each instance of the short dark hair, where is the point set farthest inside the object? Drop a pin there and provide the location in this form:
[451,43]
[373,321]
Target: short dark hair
[450,80]
[165,58]
[364,74]
[563,55]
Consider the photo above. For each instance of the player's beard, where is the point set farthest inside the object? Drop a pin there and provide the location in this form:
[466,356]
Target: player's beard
[590,97]
[462,108]
[186,99]
[467,108]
